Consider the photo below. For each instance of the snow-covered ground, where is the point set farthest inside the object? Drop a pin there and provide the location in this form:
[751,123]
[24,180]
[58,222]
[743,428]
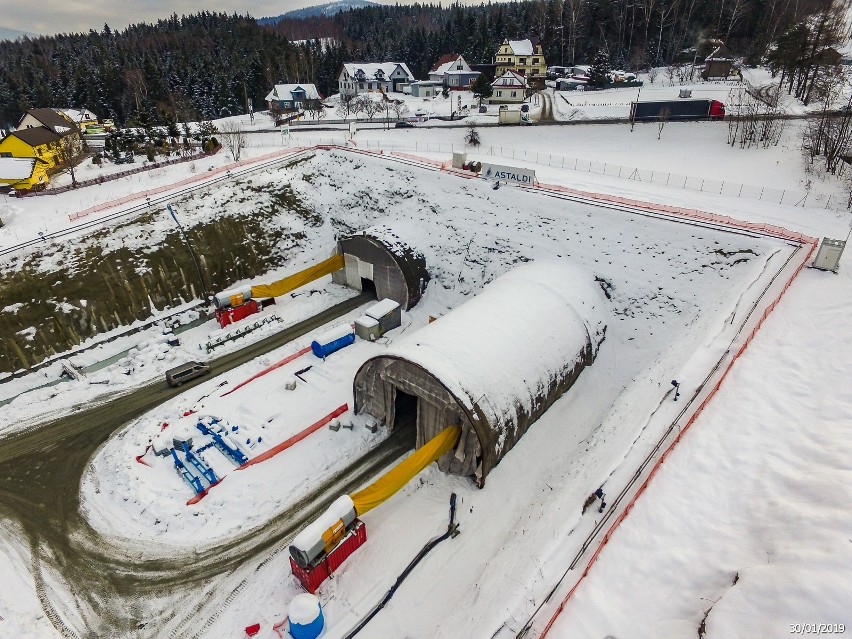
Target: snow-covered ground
[764,512]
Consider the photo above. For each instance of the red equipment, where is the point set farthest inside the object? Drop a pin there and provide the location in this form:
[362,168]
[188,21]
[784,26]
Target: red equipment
[227,316]
[312,578]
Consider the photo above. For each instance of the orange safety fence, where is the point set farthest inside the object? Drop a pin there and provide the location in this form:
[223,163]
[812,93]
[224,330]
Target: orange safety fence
[695,214]
[417,158]
[190,180]
[269,369]
[621,517]
[287,443]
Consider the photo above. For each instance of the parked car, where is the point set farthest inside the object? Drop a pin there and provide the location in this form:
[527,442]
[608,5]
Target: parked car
[420,112]
[403,125]
[185,372]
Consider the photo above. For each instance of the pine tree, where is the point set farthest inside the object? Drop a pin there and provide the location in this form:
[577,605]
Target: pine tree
[599,73]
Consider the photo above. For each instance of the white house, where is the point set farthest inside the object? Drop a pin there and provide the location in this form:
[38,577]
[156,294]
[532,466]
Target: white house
[508,88]
[454,71]
[291,96]
[358,77]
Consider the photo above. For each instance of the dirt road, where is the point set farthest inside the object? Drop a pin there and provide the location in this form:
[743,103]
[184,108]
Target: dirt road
[117,593]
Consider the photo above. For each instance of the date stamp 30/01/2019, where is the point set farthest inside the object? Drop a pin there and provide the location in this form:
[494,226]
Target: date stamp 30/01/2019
[817,628]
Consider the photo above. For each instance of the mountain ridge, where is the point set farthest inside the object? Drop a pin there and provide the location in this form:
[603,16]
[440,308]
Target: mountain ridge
[328,9]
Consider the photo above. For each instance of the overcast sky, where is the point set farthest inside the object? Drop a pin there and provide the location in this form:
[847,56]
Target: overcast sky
[49,17]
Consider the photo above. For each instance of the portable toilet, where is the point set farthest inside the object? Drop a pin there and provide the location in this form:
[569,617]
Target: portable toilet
[306,620]
[332,341]
[387,313]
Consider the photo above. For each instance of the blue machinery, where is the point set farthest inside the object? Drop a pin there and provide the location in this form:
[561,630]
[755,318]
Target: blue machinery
[229,451]
[198,471]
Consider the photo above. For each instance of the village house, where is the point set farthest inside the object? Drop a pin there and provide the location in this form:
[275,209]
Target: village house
[52,119]
[35,142]
[293,97]
[22,173]
[453,71]
[509,88]
[38,137]
[523,57]
[358,77]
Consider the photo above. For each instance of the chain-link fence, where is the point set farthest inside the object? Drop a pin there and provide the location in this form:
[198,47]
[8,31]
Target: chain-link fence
[788,197]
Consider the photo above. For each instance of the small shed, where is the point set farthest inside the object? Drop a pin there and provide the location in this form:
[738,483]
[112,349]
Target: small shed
[719,64]
[387,313]
[492,366]
[426,88]
[378,259]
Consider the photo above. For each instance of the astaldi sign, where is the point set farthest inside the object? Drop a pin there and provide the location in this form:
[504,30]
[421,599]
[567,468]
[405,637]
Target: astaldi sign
[508,173]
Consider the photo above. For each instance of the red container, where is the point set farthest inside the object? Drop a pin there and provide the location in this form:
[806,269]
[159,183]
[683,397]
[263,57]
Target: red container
[228,316]
[312,578]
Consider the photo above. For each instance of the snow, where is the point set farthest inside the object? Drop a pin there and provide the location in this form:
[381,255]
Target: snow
[334,334]
[521,47]
[756,490]
[285,92]
[312,533]
[502,349]
[747,523]
[380,309]
[16,168]
[304,609]
[370,69]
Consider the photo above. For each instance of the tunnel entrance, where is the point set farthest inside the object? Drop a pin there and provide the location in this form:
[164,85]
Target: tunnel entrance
[368,286]
[405,414]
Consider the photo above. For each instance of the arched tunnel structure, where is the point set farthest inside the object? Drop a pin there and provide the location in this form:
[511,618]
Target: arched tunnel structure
[378,258]
[493,366]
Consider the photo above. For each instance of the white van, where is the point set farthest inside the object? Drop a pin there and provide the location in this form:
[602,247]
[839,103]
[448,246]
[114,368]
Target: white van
[185,372]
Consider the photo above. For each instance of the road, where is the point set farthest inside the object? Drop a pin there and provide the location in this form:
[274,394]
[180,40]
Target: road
[117,593]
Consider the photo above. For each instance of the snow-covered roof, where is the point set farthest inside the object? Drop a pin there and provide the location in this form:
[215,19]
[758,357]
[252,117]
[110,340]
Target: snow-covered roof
[380,309]
[522,47]
[285,91]
[445,63]
[510,79]
[333,334]
[16,168]
[503,349]
[371,68]
[311,533]
[79,115]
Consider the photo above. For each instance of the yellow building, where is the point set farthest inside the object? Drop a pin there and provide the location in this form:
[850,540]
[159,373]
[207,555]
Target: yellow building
[524,57]
[22,173]
[38,142]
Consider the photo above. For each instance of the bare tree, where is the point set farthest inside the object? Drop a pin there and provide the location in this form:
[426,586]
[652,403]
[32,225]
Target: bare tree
[234,138]
[662,120]
[399,108]
[70,153]
[371,107]
[652,73]
[315,108]
[345,105]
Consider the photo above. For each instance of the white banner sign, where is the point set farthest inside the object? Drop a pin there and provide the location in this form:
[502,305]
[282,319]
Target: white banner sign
[508,173]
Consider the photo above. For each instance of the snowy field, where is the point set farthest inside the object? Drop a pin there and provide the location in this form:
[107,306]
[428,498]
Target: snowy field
[757,464]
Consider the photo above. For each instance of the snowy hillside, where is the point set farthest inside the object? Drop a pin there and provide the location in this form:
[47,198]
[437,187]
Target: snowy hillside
[741,532]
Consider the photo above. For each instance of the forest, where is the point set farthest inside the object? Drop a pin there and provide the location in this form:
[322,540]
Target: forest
[208,65]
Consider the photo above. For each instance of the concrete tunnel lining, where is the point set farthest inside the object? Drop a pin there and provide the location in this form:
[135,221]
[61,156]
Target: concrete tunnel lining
[494,365]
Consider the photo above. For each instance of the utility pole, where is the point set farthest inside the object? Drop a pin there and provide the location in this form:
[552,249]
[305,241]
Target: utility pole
[207,297]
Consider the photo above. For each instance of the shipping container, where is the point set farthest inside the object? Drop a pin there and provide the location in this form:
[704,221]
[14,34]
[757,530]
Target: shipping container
[312,578]
[677,110]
